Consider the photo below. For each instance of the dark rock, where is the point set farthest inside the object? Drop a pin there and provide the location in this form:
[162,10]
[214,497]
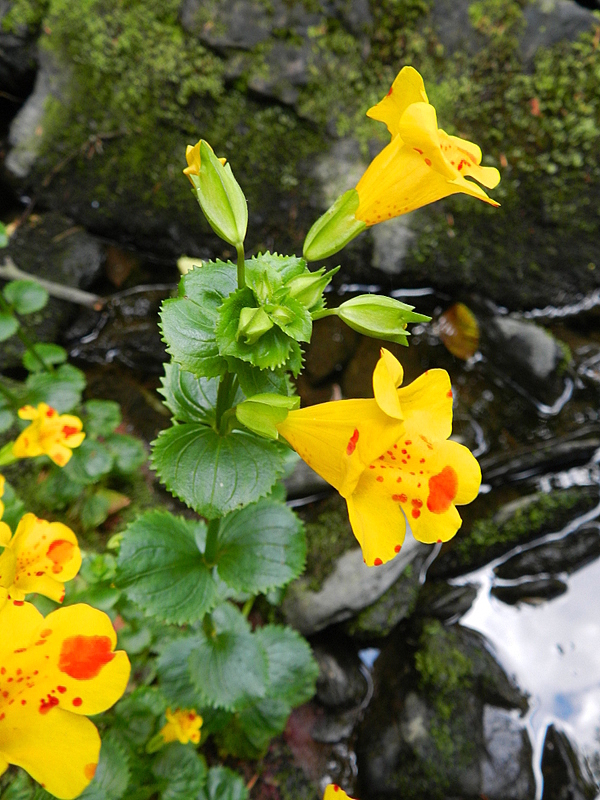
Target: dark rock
[341,682]
[18,64]
[506,767]
[564,776]
[444,601]
[565,555]
[532,591]
[552,21]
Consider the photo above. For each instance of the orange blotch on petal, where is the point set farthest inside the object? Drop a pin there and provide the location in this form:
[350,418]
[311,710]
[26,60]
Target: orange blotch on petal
[89,771]
[82,657]
[442,490]
[352,443]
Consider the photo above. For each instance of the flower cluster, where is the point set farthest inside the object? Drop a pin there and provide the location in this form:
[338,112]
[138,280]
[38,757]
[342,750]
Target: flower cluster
[183,725]
[390,458]
[50,433]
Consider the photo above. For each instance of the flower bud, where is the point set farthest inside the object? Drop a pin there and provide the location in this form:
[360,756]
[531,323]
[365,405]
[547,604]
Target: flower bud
[253,323]
[308,289]
[219,194]
[335,228]
[379,316]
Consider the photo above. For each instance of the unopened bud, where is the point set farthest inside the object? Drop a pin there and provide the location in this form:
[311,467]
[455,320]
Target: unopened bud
[335,228]
[379,316]
[308,289]
[254,322]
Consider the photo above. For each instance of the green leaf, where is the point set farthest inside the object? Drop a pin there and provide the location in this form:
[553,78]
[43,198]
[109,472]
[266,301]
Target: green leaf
[189,398]
[174,674]
[7,419]
[60,389]
[3,236]
[25,296]
[250,730]
[112,775]
[137,713]
[128,452]
[102,417]
[188,322]
[89,462]
[223,784]
[8,326]
[58,489]
[229,667]
[94,511]
[13,507]
[260,547]
[20,788]
[162,569]
[49,353]
[180,771]
[253,380]
[292,669]
[287,267]
[272,350]
[212,473]
[293,318]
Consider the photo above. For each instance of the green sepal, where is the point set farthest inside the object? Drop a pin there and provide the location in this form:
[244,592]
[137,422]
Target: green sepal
[221,198]
[25,297]
[228,666]
[263,412]
[162,568]
[308,289]
[292,317]
[253,323]
[188,321]
[332,231]
[274,348]
[214,473]
[261,547]
[379,316]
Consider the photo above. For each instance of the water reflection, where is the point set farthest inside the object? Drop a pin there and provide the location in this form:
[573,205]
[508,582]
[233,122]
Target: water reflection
[551,647]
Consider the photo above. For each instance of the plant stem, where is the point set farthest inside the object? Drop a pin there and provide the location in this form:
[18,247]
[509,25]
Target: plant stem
[248,606]
[223,394]
[241,269]
[210,550]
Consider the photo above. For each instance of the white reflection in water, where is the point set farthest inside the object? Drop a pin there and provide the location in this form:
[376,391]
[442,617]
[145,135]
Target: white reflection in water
[553,651]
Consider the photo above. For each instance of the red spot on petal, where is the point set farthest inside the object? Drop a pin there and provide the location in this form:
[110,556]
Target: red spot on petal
[380,478]
[46,705]
[398,480]
[439,541]
[416,513]
[428,162]
[89,771]
[397,548]
[69,430]
[82,657]
[77,701]
[18,602]
[388,94]
[416,502]
[61,689]
[442,490]
[51,412]
[378,562]
[420,152]
[449,393]
[399,498]
[352,443]
[60,553]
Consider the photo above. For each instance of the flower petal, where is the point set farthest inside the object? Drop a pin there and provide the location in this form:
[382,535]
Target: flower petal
[407,88]
[387,375]
[5,534]
[427,405]
[339,439]
[376,519]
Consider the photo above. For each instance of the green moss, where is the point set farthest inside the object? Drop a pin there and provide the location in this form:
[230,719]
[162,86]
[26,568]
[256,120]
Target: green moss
[328,536]
[443,669]
[25,14]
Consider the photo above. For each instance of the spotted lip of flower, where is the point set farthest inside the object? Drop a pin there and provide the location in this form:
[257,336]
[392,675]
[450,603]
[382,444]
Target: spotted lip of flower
[51,676]
[183,725]
[390,459]
[50,433]
[40,557]
[335,792]
[422,163]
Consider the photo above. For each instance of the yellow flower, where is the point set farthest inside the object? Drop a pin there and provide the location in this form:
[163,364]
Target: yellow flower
[2,482]
[192,156]
[53,672]
[50,433]
[183,725]
[390,459]
[334,792]
[38,558]
[422,163]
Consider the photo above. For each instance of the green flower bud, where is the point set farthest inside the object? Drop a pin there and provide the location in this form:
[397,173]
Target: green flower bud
[308,289]
[280,315]
[253,323]
[219,194]
[335,228]
[379,317]
[263,412]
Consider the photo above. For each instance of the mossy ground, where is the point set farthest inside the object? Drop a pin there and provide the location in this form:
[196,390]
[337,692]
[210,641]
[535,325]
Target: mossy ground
[328,536]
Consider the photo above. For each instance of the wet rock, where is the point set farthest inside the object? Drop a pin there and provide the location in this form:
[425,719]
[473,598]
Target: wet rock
[332,346]
[341,680]
[351,587]
[54,248]
[528,354]
[506,767]
[435,727]
[565,778]
[444,601]
[392,243]
[531,591]
[18,62]
[125,331]
[565,555]
[304,482]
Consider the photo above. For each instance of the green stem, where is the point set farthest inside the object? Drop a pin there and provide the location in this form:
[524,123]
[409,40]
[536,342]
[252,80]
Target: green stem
[247,608]
[212,535]
[241,266]
[324,312]
[223,395]
[10,396]
[208,626]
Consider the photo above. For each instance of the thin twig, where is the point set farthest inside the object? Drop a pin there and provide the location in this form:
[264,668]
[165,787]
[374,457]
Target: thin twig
[10,272]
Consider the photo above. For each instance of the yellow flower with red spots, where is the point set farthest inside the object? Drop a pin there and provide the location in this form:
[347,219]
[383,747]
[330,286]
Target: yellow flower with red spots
[390,458]
[40,557]
[334,792]
[183,725]
[422,163]
[50,433]
[54,672]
